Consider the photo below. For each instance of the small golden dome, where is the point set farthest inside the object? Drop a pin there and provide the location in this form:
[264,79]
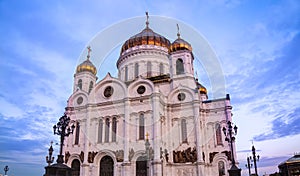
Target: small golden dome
[87,65]
[146,37]
[180,44]
[203,90]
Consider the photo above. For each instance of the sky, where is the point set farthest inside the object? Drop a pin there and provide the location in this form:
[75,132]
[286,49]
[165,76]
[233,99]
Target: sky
[256,42]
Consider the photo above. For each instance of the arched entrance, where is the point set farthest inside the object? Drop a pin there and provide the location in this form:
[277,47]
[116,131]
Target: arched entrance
[106,166]
[76,167]
[141,166]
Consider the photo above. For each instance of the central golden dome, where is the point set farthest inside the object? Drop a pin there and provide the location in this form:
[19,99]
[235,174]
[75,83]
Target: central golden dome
[146,37]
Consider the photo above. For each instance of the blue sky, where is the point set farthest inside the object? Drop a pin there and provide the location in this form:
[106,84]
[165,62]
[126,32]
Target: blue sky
[257,44]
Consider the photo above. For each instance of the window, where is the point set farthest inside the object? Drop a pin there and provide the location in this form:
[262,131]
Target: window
[221,168]
[148,69]
[114,129]
[141,127]
[179,67]
[183,130]
[126,73]
[79,84]
[219,134]
[91,86]
[136,70]
[161,69]
[77,133]
[106,139]
[100,131]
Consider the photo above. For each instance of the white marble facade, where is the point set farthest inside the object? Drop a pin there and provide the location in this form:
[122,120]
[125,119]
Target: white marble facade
[156,97]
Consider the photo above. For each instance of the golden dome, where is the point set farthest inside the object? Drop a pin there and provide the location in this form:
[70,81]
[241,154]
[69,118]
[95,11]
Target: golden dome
[146,37]
[87,65]
[203,90]
[180,44]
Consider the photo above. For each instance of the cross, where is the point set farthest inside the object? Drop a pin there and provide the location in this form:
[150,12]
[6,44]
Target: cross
[89,51]
[147,21]
[178,34]
[147,136]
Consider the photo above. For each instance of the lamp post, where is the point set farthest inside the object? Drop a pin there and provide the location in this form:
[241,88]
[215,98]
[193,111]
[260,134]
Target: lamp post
[248,165]
[254,159]
[63,129]
[6,169]
[229,133]
[50,158]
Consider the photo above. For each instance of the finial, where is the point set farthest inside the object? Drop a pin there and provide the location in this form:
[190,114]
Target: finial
[147,136]
[51,143]
[196,76]
[178,34]
[89,52]
[147,20]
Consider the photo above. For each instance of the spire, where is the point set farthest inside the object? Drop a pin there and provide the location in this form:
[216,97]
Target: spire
[89,52]
[178,34]
[147,20]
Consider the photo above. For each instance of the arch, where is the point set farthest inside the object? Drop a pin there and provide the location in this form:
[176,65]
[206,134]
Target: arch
[106,166]
[179,66]
[76,167]
[141,166]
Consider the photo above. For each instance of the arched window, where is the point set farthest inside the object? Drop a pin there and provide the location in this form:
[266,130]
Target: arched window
[91,86]
[75,167]
[141,127]
[114,129]
[100,131]
[136,70]
[79,84]
[161,69]
[106,139]
[148,69]
[77,133]
[179,67]
[219,134]
[183,130]
[126,73]
[221,168]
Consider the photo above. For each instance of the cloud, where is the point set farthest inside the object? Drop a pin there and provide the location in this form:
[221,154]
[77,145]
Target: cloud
[9,110]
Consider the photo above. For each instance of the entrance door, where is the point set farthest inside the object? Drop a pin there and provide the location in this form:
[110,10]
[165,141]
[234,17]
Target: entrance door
[141,166]
[76,167]
[106,166]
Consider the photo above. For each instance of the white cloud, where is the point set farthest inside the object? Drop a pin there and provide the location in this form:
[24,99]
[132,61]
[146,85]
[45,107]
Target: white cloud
[10,110]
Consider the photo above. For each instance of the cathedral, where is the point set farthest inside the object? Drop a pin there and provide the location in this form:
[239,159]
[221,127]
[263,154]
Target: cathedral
[154,118]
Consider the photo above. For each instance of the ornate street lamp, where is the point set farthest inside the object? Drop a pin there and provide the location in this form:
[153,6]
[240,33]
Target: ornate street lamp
[248,165]
[50,158]
[229,133]
[6,169]
[63,129]
[254,159]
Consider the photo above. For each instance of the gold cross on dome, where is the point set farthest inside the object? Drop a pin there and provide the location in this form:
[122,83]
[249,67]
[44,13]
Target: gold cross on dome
[178,34]
[147,21]
[89,51]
